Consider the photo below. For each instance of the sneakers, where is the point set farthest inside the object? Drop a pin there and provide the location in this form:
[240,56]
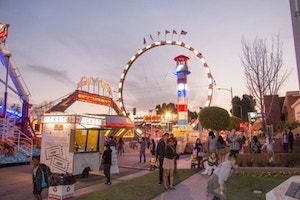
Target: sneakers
[108,183]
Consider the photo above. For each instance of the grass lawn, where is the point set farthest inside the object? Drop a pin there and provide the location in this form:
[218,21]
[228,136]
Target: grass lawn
[143,187]
[146,187]
[240,186]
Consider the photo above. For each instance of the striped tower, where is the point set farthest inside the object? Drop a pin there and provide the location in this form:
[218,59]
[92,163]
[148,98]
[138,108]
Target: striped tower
[182,97]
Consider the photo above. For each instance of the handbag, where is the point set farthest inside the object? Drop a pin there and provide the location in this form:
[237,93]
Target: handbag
[177,156]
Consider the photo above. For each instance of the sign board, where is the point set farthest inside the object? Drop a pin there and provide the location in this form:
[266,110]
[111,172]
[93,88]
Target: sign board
[61,192]
[114,161]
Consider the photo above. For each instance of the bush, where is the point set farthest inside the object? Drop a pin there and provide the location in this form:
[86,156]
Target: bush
[260,163]
[240,163]
[249,163]
[290,161]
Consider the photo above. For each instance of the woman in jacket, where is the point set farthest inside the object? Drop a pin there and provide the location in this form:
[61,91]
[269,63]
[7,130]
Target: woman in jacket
[168,164]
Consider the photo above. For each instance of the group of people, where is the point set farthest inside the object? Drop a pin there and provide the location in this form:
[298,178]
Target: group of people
[218,164]
[288,140]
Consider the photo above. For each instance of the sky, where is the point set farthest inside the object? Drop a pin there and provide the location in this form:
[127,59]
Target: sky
[55,43]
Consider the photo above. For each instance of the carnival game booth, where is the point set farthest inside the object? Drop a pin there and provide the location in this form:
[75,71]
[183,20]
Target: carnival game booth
[71,142]
[119,126]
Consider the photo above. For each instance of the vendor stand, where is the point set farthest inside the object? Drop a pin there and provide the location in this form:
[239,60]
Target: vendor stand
[72,142]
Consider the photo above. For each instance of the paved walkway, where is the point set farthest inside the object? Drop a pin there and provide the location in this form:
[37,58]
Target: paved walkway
[16,181]
[193,188]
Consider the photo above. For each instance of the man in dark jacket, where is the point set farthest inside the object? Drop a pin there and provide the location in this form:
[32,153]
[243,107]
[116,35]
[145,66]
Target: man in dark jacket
[37,178]
[106,157]
[160,155]
[291,138]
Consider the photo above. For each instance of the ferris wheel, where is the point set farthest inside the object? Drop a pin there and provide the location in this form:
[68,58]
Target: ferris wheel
[159,44]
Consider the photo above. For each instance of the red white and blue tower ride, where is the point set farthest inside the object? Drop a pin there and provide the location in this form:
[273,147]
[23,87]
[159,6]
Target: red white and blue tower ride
[182,95]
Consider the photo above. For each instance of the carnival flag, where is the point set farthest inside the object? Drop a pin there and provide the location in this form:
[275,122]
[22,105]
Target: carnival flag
[3,32]
[151,37]
[166,32]
[183,32]
[174,32]
[144,41]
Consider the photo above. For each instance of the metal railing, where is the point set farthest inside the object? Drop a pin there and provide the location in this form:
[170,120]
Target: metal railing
[9,132]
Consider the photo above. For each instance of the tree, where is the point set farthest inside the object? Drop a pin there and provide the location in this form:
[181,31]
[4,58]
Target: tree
[241,107]
[263,70]
[36,112]
[215,118]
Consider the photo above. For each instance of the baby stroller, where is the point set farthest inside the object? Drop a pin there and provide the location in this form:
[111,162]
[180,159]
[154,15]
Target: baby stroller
[153,163]
[194,161]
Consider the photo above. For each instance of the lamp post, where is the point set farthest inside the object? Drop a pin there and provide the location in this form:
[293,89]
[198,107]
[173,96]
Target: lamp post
[168,116]
[150,111]
[241,111]
[231,95]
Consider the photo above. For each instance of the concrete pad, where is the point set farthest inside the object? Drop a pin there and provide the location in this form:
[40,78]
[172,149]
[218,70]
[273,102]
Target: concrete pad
[288,190]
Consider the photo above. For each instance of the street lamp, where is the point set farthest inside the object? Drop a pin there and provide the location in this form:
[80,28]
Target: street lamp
[150,111]
[231,95]
[168,116]
[241,111]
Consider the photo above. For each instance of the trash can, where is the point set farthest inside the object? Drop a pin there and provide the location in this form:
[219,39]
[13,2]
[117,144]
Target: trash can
[61,187]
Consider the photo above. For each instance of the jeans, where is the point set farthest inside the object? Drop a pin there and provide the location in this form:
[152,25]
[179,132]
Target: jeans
[142,153]
[106,169]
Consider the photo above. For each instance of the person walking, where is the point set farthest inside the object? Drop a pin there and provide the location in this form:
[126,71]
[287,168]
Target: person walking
[160,154]
[143,145]
[199,149]
[285,142]
[216,187]
[106,158]
[120,147]
[152,147]
[168,165]
[291,139]
[212,142]
[37,178]
[221,148]
[112,141]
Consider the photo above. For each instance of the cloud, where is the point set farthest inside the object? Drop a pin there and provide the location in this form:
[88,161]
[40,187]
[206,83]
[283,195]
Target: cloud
[59,75]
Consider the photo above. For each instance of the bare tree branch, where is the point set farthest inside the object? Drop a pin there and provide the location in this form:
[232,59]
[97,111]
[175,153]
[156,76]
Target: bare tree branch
[263,69]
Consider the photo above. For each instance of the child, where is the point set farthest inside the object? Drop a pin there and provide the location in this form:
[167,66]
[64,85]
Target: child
[37,178]
[152,163]
[212,163]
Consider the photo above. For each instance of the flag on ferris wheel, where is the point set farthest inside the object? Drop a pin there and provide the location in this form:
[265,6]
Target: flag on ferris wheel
[151,37]
[144,41]
[3,31]
[183,32]
[174,32]
[166,32]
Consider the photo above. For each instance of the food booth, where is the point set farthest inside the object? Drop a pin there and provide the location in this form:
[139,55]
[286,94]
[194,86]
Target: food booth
[71,142]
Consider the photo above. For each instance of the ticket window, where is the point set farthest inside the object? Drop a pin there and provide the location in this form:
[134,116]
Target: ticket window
[86,140]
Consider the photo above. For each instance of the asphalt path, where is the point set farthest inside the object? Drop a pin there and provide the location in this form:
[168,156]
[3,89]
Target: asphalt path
[16,181]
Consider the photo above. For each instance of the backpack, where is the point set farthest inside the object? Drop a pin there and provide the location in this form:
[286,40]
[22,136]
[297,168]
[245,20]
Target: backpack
[46,175]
